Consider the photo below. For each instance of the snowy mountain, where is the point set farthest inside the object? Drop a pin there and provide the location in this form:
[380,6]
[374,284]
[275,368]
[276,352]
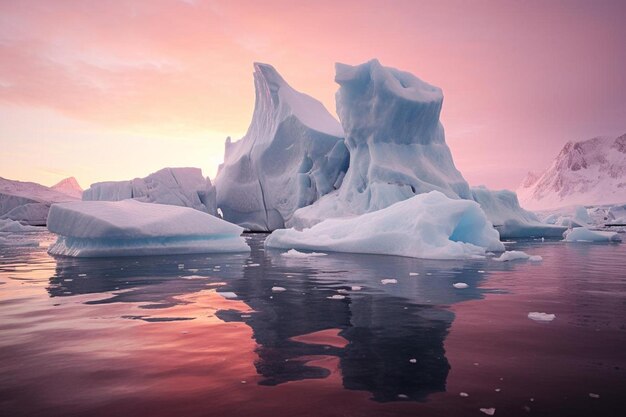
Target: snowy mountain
[591,172]
[28,202]
[69,186]
[292,154]
[185,187]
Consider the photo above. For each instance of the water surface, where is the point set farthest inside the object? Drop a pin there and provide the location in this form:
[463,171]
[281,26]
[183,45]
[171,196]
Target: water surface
[210,335]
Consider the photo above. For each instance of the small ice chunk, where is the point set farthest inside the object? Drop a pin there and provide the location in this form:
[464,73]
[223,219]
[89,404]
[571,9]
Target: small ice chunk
[336,297]
[228,294]
[536,316]
[535,258]
[82,275]
[278,289]
[403,396]
[254,264]
[181,266]
[292,253]
[388,281]
[464,394]
[480,271]
[512,255]
[460,285]
[488,411]
[582,234]
[413,360]
[413,274]
[592,395]
[356,288]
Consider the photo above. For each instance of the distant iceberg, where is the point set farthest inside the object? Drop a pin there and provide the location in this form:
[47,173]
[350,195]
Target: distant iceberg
[292,154]
[512,221]
[133,228]
[185,187]
[429,225]
[396,143]
[583,234]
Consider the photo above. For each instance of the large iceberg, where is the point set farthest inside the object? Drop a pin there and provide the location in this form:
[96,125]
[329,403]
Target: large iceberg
[184,187]
[292,154]
[396,143]
[512,221]
[429,225]
[133,228]
[28,202]
[69,186]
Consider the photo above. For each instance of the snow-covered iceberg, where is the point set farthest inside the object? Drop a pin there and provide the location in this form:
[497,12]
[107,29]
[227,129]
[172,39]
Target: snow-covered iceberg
[133,228]
[396,143]
[583,234]
[184,187]
[512,221]
[292,154]
[28,202]
[429,225]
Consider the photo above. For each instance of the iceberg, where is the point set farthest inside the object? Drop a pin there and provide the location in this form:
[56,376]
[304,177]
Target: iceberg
[512,221]
[28,202]
[292,154]
[583,234]
[396,143]
[184,187]
[133,228]
[429,225]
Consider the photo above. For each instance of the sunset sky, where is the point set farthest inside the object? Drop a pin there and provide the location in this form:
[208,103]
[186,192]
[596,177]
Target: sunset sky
[111,90]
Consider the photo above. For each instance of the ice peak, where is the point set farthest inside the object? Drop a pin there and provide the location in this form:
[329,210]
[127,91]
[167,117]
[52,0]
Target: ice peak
[399,83]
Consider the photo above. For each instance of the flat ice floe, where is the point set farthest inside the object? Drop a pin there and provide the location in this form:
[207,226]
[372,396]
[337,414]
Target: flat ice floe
[428,225]
[537,316]
[513,255]
[132,228]
[582,234]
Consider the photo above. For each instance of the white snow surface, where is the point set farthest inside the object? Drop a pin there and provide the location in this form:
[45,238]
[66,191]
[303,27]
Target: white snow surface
[512,221]
[396,143]
[27,202]
[590,172]
[583,234]
[69,186]
[429,225]
[292,154]
[130,228]
[185,187]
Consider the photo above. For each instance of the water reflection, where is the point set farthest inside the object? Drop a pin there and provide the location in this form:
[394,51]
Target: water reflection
[394,333]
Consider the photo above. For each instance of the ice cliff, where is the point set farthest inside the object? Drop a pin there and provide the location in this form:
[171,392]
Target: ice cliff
[396,143]
[292,154]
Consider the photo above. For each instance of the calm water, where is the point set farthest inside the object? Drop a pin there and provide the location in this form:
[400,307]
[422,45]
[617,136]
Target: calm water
[163,336]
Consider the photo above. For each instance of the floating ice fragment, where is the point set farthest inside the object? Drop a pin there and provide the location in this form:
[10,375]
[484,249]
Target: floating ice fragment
[82,275]
[292,253]
[278,289]
[536,316]
[460,285]
[592,395]
[512,255]
[181,266]
[228,294]
[403,396]
[464,394]
[356,288]
[254,264]
[488,411]
[388,281]
[413,274]
[582,234]
[535,258]
[413,360]
[336,297]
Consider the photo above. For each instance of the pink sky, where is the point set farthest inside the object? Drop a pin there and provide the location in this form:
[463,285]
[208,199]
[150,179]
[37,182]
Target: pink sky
[111,90]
